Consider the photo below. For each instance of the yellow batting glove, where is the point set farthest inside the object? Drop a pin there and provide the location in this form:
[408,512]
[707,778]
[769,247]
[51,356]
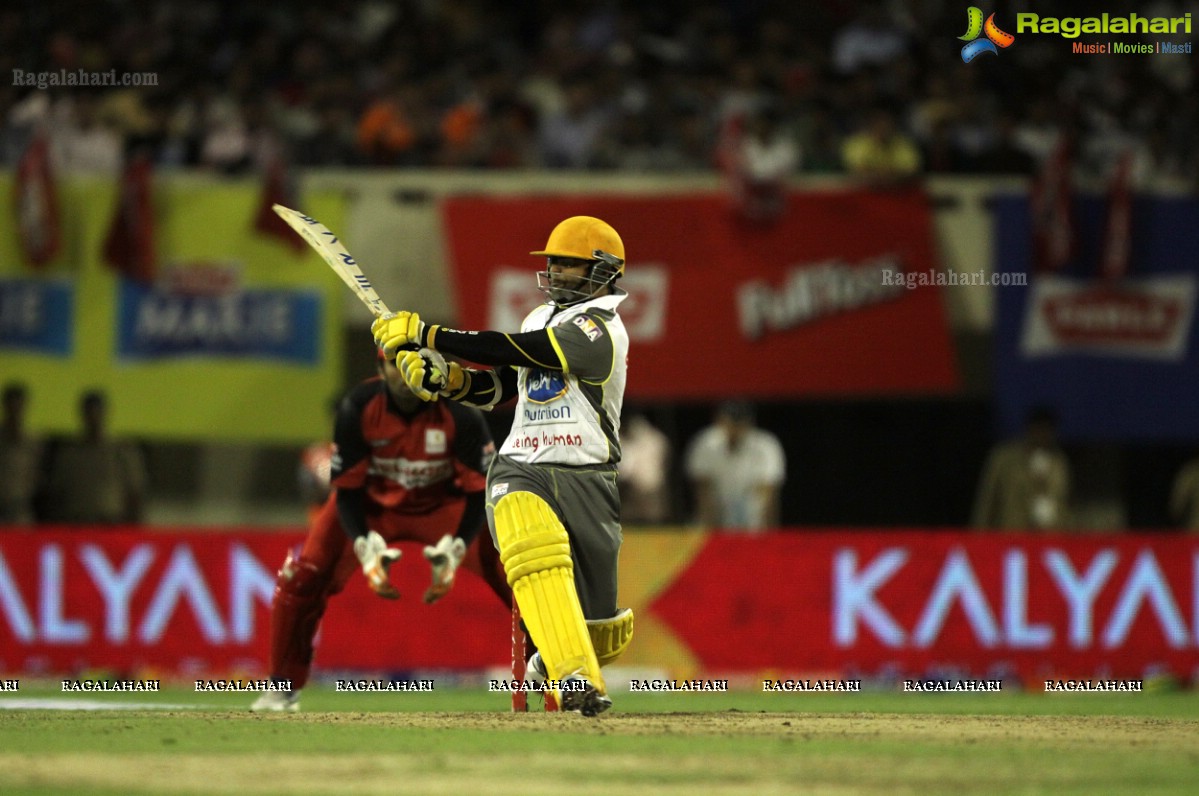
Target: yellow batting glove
[401,330]
[428,375]
[420,375]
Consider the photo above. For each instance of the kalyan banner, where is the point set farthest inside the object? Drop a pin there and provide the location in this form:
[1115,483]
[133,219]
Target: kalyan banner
[780,604]
[813,304]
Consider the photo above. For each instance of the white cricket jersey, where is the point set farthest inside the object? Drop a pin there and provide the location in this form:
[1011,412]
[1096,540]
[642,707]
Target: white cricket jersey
[572,416]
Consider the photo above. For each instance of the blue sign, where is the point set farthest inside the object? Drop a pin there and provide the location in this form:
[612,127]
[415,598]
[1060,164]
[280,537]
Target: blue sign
[36,316]
[272,324]
[1118,360]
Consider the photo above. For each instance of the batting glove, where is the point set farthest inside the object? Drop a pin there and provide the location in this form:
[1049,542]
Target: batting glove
[428,374]
[402,329]
[377,558]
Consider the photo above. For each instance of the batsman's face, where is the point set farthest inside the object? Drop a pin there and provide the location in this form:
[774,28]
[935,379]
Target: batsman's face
[567,276]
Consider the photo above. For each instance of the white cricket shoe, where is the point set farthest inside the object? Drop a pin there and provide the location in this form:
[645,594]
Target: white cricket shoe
[444,558]
[277,702]
[580,694]
[535,670]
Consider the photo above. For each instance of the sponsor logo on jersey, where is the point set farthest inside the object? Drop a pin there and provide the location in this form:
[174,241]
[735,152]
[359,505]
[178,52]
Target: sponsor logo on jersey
[499,489]
[589,328]
[435,441]
[547,414]
[412,474]
[543,386]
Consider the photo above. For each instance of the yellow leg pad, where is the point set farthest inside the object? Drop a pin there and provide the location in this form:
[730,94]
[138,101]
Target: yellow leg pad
[535,551]
[610,637]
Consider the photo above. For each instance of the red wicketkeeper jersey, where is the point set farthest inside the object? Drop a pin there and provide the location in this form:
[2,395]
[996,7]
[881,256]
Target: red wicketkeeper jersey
[409,464]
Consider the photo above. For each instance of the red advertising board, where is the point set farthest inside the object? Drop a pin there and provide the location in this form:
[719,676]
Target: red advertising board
[784,602]
[199,602]
[828,300]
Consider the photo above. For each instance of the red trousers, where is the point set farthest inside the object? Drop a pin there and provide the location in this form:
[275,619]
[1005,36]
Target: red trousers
[327,562]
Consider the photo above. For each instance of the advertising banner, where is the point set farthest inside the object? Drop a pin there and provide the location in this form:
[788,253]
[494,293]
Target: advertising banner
[235,336]
[1115,352]
[821,302]
[782,603]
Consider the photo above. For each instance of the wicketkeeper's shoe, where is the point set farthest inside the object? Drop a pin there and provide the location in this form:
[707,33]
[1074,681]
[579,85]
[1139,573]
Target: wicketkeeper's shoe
[444,557]
[277,702]
[579,693]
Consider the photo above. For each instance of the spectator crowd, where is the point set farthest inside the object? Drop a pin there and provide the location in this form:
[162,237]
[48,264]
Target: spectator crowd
[615,85]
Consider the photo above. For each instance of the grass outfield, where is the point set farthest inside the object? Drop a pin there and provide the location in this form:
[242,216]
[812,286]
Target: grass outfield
[464,741]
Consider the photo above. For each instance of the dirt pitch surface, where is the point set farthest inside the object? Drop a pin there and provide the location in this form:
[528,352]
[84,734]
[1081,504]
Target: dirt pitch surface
[555,754]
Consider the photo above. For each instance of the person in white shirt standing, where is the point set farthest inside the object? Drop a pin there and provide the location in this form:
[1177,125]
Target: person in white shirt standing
[553,503]
[737,471]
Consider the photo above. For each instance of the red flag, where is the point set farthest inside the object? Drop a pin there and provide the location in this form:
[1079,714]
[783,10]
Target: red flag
[35,198]
[277,189]
[1052,205]
[1117,230]
[129,247]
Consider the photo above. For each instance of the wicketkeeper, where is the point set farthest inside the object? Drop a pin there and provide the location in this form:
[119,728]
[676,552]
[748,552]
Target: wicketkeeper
[552,499]
[403,469]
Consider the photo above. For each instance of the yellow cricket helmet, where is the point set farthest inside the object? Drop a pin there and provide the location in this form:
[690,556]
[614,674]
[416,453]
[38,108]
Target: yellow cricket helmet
[583,238]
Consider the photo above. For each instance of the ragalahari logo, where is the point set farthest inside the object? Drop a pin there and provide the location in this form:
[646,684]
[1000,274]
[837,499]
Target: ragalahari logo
[975,27]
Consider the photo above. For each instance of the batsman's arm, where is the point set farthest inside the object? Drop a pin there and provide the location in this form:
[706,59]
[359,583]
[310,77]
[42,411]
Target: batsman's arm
[484,388]
[583,346]
[536,349]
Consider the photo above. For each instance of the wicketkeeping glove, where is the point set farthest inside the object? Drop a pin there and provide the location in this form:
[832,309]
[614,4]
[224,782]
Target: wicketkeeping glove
[428,374]
[402,329]
[377,558]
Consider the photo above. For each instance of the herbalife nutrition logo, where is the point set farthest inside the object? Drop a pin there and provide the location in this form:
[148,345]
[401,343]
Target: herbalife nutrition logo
[975,27]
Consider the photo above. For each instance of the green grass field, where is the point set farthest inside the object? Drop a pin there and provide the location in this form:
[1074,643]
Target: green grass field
[466,742]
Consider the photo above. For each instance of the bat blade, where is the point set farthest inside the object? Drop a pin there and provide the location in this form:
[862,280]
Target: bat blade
[331,250]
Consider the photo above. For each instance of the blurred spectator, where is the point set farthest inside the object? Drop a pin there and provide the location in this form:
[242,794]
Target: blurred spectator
[93,478]
[879,152]
[1005,155]
[1184,497]
[873,38]
[762,160]
[83,143]
[737,470]
[941,153]
[1025,482]
[389,132]
[569,137]
[449,72]
[331,142]
[644,473]
[20,458]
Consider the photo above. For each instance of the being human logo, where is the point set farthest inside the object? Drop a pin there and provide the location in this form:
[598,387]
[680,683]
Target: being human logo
[975,27]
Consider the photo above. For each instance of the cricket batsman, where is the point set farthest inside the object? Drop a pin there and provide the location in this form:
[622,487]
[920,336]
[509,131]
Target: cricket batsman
[403,469]
[552,500]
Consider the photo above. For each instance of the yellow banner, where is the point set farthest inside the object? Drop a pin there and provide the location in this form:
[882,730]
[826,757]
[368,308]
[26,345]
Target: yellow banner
[238,339]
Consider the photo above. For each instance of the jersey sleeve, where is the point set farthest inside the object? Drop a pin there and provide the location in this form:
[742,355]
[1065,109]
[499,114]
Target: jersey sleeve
[533,349]
[585,345]
[351,454]
[473,448]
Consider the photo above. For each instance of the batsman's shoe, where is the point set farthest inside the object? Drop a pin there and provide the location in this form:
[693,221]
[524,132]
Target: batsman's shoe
[277,702]
[579,693]
[445,558]
[535,669]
